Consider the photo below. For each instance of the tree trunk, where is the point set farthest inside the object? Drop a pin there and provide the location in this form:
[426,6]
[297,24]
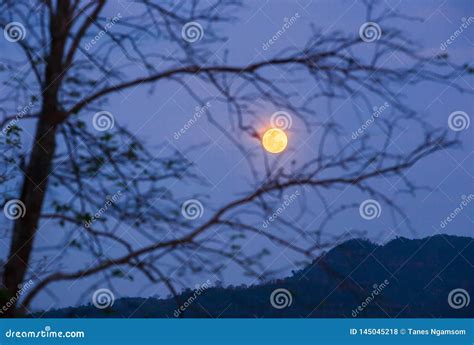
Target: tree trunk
[35,182]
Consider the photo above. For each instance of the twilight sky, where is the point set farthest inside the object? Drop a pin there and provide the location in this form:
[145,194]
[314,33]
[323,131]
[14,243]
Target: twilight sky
[155,116]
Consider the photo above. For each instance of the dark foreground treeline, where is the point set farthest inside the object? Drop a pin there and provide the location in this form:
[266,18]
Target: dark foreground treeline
[413,279]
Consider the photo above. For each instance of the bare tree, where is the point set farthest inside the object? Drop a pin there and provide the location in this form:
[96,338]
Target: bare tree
[73,60]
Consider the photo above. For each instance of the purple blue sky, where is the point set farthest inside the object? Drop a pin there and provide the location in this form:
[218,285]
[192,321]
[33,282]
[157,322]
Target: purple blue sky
[156,116]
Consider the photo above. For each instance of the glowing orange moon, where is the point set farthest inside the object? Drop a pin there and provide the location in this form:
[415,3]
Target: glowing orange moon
[274,140]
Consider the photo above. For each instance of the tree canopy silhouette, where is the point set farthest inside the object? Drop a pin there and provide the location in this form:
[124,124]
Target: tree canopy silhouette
[71,64]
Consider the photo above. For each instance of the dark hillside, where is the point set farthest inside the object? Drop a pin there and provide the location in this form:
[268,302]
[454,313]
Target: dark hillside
[403,278]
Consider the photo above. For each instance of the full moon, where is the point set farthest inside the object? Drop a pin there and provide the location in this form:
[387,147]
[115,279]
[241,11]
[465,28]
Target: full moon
[274,140]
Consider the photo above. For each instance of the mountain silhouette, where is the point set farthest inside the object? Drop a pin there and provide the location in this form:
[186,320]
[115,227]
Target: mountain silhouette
[403,278]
